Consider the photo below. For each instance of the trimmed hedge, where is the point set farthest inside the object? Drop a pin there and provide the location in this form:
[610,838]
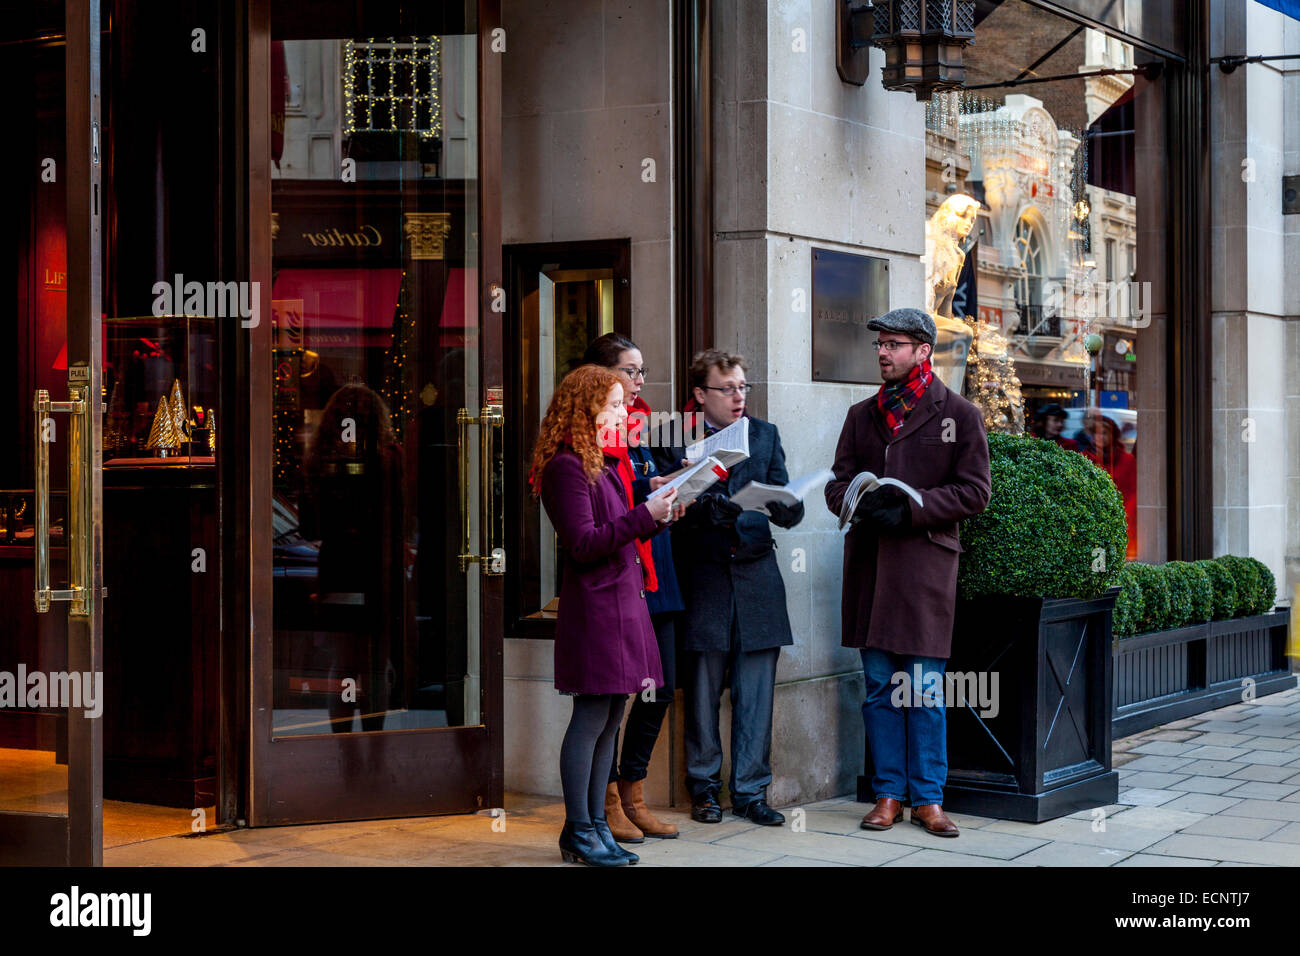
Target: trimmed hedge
[1129,603]
[1182,593]
[1054,526]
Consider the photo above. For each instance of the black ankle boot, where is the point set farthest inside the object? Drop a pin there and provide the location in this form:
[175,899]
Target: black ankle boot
[607,837]
[581,843]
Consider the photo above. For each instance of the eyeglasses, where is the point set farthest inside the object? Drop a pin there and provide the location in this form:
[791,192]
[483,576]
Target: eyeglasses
[634,372]
[893,345]
[729,390]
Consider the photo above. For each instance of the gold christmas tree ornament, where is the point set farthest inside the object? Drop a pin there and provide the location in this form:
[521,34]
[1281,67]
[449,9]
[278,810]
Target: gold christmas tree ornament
[118,427]
[178,411]
[163,436]
[993,385]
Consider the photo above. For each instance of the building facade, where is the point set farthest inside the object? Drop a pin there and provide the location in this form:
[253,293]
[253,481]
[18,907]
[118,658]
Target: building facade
[428,213]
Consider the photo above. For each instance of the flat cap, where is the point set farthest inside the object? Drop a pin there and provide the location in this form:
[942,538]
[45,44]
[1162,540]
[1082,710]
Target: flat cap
[911,322]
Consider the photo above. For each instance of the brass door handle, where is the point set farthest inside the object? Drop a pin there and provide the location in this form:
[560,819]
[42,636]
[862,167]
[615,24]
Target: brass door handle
[78,592]
[493,562]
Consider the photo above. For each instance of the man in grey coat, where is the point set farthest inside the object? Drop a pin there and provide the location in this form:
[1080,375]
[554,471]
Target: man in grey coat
[735,622]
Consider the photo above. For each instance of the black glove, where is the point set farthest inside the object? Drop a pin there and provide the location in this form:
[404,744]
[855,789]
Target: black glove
[892,516]
[784,516]
[720,509]
[871,501]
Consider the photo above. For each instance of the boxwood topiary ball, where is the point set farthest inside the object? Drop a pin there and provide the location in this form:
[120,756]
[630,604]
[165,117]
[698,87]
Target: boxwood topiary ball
[1054,526]
[1266,593]
[1155,598]
[1223,588]
[1191,599]
[1246,577]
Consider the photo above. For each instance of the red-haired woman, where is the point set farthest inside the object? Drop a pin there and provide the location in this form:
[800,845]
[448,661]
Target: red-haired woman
[605,646]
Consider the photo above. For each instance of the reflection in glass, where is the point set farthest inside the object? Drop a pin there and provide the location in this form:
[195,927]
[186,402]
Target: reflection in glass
[374,308]
[1069,171]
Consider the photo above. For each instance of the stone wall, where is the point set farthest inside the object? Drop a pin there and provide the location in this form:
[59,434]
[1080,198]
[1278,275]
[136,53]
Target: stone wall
[803,159]
[586,89]
[1256,353]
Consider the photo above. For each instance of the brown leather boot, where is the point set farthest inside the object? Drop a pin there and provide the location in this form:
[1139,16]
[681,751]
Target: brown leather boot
[640,815]
[934,820]
[624,830]
[887,812]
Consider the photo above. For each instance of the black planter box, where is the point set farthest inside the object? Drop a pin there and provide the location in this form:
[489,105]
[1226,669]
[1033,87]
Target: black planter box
[1045,753]
[1167,675]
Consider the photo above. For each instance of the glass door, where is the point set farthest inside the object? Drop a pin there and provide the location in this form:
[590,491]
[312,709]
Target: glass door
[51,576]
[376,664]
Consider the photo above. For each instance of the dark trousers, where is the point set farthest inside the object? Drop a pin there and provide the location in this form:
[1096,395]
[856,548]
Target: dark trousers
[646,717]
[751,679]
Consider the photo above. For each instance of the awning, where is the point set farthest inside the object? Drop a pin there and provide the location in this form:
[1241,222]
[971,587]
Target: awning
[341,308]
[1290,7]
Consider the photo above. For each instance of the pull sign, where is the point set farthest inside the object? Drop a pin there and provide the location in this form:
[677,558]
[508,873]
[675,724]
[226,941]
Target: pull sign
[496,395]
[78,373]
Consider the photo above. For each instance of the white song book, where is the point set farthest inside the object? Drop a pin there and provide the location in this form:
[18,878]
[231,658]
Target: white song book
[755,495]
[729,445]
[864,483]
[692,480]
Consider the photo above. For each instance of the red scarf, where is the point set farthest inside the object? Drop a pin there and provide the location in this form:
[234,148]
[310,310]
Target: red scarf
[897,399]
[623,467]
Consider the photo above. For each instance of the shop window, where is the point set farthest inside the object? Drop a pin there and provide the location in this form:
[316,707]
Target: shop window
[1053,158]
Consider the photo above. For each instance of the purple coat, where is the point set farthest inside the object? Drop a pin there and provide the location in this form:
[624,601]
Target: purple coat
[604,641]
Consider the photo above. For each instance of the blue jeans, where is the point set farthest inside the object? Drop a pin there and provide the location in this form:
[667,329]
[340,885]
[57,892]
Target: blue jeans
[909,743]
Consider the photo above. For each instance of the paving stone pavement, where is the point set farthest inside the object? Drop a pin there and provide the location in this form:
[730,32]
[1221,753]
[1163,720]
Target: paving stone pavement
[1218,789]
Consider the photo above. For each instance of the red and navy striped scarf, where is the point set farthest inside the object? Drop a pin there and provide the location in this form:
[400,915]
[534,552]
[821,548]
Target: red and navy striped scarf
[897,399]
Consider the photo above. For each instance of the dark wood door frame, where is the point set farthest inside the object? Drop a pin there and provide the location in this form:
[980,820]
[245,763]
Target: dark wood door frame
[76,837]
[523,263]
[692,185]
[285,782]
[85,348]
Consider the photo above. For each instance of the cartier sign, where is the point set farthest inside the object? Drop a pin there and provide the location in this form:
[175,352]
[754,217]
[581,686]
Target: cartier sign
[366,235]
[338,234]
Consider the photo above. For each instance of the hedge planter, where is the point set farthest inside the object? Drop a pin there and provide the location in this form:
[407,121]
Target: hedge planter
[1045,753]
[1167,675]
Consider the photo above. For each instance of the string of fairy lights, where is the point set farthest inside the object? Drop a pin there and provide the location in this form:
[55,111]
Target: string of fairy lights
[399,78]
[393,390]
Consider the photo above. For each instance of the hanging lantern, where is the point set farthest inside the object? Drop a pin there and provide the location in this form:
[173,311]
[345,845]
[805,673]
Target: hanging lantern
[923,40]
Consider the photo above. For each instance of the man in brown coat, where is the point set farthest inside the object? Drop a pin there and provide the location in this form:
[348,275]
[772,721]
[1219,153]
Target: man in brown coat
[900,561]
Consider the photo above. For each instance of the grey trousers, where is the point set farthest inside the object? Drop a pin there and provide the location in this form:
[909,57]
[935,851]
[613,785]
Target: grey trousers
[752,676]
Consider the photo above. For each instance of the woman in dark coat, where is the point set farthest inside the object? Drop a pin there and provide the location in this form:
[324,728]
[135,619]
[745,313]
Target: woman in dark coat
[605,644]
[629,819]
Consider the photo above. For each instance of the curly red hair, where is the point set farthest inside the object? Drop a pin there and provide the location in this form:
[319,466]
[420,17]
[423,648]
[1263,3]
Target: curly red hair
[571,420]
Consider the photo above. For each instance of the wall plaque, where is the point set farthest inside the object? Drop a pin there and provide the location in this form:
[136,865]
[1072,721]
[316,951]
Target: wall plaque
[848,291]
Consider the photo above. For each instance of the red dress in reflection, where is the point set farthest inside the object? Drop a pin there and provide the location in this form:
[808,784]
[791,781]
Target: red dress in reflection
[1122,468]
